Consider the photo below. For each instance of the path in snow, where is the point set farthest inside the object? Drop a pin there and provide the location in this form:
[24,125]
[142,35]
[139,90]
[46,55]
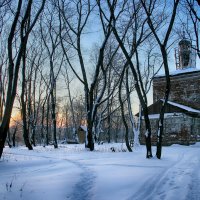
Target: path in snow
[81,184]
[83,188]
[47,174]
[169,183]
[46,178]
[194,186]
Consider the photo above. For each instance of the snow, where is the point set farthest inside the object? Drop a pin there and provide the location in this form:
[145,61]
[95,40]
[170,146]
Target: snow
[73,173]
[187,108]
[156,116]
[84,128]
[174,114]
[146,133]
[180,71]
[158,134]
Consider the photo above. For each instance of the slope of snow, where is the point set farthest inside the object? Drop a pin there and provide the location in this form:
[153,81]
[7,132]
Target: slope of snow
[184,107]
[73,173]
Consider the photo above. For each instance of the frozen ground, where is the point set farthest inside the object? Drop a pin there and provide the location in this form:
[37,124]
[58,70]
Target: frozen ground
[72,173]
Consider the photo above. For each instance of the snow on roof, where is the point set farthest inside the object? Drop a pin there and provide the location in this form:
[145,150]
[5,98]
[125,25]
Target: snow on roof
[180,71]
[187,108]
[84,128]
[156,116]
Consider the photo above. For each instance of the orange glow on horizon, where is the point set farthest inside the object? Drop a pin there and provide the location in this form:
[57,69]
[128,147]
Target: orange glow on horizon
[15,116]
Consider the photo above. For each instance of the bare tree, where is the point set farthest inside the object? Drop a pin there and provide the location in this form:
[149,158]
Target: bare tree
[135,124]
[149,9]
[72,28]
[26,22]
[51,41]
[68,81]
[4,10]
[34,83]
[137,25]
[4,3]
[122,110]
[3,76]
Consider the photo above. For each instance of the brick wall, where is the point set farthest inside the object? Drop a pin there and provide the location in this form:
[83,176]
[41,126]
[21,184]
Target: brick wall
[185,89]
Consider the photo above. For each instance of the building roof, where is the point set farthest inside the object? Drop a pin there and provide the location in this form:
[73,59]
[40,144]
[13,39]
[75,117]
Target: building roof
[172,108]
[84,128]
[186,108]
[180,71]
[166,115]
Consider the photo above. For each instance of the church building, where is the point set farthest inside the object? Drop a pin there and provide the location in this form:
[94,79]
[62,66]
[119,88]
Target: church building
[182,114]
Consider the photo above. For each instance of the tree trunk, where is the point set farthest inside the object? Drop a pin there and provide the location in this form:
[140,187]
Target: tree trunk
[90,144]
[13,136]
[33,137]
[26,25]
[47,123]
[162,112]
[9,139]
[42,123]
[122,111]
[43,117]
[3,135]
[10,93]
[142,96]
[163,47]
[53,102]
[23,103]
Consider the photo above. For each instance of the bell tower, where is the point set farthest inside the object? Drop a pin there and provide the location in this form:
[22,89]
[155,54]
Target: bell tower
[185,80]
[185,55]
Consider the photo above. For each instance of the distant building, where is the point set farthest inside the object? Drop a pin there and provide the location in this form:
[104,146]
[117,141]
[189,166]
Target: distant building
[82,134]
[182,118]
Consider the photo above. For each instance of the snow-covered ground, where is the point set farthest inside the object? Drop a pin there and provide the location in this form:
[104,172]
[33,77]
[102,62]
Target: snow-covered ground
[72,173]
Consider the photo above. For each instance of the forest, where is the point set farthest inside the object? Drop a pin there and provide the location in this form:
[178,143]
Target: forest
[87,63]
